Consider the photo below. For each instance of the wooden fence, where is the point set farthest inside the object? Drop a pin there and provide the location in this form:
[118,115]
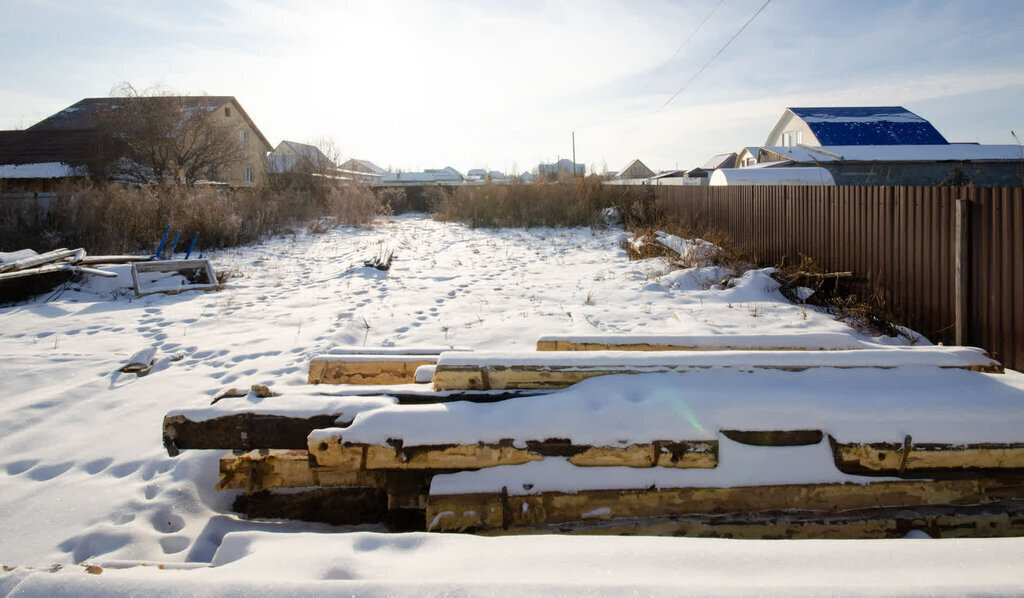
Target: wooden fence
[949,261]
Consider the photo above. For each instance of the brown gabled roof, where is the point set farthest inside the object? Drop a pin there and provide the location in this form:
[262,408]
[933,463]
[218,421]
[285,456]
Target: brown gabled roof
[72,147]
[82,114]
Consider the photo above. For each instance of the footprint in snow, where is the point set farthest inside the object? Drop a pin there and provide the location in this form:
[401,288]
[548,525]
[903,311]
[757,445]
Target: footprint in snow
[19,467]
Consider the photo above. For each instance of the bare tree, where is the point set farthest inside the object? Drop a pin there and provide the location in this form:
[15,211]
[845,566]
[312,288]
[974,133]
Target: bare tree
[158,136]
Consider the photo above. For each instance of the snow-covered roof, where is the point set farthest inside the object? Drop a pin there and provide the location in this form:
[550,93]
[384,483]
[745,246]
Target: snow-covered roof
[868,125]
[720,161]
[361,166]
[801,175]
[957,152]
[430,175]
[43,170]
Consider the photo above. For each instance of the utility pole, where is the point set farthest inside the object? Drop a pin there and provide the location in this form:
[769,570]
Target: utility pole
[574,154]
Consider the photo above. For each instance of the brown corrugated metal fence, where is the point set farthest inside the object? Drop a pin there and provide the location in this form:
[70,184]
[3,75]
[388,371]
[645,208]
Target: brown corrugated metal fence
[899,241]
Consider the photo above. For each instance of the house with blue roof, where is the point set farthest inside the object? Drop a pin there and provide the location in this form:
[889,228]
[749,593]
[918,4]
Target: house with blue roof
[846,126]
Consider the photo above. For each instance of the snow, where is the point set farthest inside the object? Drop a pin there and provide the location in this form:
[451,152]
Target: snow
[258,563]
[829,341]
[84,476]
[40,170]
[804,175]
[926,402]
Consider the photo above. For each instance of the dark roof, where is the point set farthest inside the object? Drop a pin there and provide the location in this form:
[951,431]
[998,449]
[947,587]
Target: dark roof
[871,125]
[82,114]
[72,147]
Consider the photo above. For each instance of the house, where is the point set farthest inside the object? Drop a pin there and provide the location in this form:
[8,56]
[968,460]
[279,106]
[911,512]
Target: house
[747,157]
[860,125]
[362,171]
[562,168]
[720,161]
[635,170]
[528,177]
[694,177]
[295,157]
[111,123]
[948,164]
[431,176]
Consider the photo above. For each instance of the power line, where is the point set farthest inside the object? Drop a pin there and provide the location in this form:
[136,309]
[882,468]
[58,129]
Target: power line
[694,32]
[708,63]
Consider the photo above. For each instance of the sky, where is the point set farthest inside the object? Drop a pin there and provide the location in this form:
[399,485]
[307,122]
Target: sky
[503,85]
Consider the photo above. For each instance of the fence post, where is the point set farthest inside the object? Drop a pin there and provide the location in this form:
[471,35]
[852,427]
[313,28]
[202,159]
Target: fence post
[961,240]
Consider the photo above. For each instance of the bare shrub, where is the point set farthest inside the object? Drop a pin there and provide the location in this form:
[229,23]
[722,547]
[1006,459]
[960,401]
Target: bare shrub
[350,204]
[112,218]
[576,203]
[394,200]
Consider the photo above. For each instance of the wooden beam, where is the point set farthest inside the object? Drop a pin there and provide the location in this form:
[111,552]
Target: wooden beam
[986,521]
[828,341]
[265,469]
[774,437]
[333,451]
[927,460]
[560,369]
[366,369]
[497,510]
[242,431]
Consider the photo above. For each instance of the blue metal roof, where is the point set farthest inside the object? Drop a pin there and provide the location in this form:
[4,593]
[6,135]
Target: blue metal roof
[878,125]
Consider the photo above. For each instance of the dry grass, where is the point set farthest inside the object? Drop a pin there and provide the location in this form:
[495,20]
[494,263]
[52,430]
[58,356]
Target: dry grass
[108,218]
[577,203]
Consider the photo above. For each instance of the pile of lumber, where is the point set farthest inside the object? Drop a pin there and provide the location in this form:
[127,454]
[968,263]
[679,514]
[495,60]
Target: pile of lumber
[377,446]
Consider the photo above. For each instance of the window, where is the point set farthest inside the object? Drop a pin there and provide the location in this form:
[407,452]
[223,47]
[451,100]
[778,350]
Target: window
[227,112]
[791,138]
[249,178]
[243,138]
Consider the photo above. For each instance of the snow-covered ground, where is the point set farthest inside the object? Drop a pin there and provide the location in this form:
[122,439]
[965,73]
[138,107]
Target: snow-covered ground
[84,478]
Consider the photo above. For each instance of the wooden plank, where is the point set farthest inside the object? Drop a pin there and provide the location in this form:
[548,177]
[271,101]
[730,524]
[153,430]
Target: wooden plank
[265,469]
[498,510]
[366,369]
[242,431]
[961,264]
[722,342]
[774,437]
[404,350]
[329,450]
[560,369]
[986,521]
[932,460]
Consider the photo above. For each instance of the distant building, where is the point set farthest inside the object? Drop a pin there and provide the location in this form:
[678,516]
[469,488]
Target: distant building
[747,157]
[635,170]
[882,125]
[432,176]
[562,168]
[720,161]
[295,157]
[362,171]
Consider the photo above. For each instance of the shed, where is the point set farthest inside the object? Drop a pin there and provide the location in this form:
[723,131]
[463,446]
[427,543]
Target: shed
[810,175]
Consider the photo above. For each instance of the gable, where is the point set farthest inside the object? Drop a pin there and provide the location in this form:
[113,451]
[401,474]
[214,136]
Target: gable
[879,125]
